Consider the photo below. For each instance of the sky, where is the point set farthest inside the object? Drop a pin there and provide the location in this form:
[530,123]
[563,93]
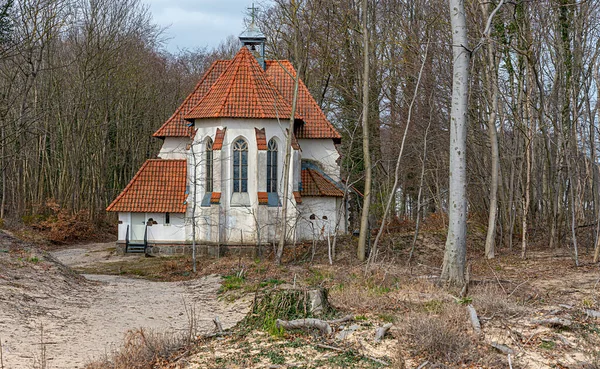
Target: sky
[195,24]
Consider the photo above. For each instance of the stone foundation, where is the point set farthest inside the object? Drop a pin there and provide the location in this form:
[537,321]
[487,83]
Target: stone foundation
[203,250]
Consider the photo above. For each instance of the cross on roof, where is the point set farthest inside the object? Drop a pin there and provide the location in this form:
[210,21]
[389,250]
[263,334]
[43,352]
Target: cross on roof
[253,10]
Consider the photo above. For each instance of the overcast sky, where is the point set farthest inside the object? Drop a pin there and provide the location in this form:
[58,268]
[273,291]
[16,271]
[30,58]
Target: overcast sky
[198,23]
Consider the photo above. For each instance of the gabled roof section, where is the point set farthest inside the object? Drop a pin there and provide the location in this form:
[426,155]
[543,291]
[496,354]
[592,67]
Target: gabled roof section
[261,138]
[242,91]
[176,126]
[158,187]
[219,137]
[316,125]
[315,184]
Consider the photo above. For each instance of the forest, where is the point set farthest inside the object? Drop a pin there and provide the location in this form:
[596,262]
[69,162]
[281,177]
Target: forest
[84,85]
[465,123]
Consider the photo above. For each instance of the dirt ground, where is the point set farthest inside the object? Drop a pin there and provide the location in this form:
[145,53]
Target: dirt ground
[52,315]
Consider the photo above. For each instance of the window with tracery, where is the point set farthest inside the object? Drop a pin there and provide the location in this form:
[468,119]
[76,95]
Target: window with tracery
[272,166]
[209,165]
[240,165]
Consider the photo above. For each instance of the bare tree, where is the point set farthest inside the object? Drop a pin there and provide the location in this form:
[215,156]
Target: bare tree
[453,269]
[364,217]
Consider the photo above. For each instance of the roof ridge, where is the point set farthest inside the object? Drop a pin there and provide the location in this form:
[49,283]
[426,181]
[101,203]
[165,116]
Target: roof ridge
[158,186]
[245,77]
[139,172]
[226,96]
[191,94]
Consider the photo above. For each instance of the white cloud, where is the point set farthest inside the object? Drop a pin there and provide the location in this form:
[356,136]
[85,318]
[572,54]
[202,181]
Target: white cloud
[198,23]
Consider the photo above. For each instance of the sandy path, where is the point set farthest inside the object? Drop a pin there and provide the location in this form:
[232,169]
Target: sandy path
[82,324]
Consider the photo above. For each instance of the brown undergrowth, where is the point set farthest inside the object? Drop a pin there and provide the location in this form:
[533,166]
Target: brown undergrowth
[430,321]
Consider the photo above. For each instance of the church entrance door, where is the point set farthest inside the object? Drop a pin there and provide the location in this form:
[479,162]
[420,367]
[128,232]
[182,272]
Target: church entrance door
[138,227]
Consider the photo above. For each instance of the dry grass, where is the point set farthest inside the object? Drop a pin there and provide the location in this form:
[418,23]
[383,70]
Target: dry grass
[490,301]
[142,350]
[439,338]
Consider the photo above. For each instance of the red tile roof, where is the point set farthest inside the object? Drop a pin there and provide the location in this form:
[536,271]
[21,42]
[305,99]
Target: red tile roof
[280,73]
[242,91]
[316,125]
[263,198]
[261,138]
[314,184]
[297,197]
[215,198]
[158,187]
[176,126]
[219,137]
[295,144]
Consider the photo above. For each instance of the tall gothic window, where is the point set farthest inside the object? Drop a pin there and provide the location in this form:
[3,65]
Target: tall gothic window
[272,166]
[240,166]
[209,165]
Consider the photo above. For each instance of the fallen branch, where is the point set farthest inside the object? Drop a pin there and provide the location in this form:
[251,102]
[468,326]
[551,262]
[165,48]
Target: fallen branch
[502,348]
[592,313]
[423,364]
[381,331]
[554,322]
[321,325]
[347,318]
[474,319]
[218,324]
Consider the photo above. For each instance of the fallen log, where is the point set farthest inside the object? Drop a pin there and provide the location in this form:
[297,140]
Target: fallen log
[502,348]
[381,331]
[592,313]
[554,322]
[319,324]
[347,318]
[474,319]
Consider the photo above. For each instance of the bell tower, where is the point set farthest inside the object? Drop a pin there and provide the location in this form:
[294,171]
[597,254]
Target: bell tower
[253,37]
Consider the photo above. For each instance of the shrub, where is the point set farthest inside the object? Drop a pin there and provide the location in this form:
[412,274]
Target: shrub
[490,301]
[141,350]
[439,337]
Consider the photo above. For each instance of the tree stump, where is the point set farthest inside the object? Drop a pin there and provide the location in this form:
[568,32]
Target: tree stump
[286,305]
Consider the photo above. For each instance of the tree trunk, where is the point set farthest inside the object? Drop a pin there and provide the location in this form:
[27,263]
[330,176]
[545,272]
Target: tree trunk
[453,269]
[364,217]
[286,168]
[490,240]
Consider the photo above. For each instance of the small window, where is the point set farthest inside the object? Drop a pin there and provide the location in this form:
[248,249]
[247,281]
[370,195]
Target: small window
[167,218]
[240,166]
[272,166]
[324,217]
[209,165]
[313,217]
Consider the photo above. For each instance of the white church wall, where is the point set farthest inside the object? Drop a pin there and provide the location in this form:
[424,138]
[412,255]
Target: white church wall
[325,211]
[323,151]
[124,221]
[174,148]
[162,232]
[240,212]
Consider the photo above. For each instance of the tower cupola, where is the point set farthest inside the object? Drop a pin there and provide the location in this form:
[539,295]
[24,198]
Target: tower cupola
[253,37]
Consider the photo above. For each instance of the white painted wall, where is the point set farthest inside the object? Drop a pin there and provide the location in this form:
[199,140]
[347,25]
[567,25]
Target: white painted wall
[321,207]
[238,223]
[174,148]
[160,232]
[227,223]
[323,151]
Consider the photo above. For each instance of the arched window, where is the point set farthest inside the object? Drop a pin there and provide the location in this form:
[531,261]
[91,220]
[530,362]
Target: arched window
[209,165]
[240,165]
[272,166]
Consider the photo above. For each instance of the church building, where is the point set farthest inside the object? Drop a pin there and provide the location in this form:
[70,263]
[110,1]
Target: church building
[219,175]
